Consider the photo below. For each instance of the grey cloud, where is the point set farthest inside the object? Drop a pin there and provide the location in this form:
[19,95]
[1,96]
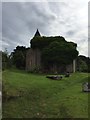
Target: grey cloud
[71,33]
[20,21]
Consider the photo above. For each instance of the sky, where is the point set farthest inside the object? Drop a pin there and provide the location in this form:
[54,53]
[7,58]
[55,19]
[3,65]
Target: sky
[67,18]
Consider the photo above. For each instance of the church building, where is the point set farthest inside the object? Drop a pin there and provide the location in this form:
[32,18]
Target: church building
[33,60]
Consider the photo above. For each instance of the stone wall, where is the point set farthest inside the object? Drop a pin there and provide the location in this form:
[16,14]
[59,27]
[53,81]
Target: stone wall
[33,59]
[69,68]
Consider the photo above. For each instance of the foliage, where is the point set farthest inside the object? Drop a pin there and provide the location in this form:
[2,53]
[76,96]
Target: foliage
[55,50]
[83,63]
[35,69]
[59,54]
[42,42]
[83,66]
[18,57]
[5,60]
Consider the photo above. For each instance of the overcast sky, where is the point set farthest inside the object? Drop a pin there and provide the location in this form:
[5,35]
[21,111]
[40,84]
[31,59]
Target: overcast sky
[68,19]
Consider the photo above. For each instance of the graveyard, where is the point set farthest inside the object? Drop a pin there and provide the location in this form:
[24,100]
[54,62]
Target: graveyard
[48,80]
[29,95]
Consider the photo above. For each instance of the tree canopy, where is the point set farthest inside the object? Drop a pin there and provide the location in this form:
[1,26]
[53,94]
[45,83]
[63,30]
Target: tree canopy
[83,63]
[18,57]
[42,42]
[59,54]
[5,59]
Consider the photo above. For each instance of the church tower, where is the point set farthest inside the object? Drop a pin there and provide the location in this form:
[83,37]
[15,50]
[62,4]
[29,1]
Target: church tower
[33,56]
[37,34]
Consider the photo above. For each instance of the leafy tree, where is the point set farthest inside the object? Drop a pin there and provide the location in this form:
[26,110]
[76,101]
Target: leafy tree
[5,59]
[18,57]
[83,66]
[42,42]
[83,63]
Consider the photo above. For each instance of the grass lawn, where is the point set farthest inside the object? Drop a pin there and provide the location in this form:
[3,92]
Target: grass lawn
[40,97]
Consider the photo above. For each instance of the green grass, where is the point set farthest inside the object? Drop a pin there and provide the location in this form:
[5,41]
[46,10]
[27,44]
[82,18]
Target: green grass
[40,97]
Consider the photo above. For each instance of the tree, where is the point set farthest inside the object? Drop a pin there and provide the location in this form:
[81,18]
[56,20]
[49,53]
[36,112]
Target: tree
[18,57]
[42,42]
[5,59]
[83,63]
[83,66]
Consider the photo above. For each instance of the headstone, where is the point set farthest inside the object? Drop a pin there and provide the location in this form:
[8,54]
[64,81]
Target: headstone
[86,87]
[55,77]
[67,74]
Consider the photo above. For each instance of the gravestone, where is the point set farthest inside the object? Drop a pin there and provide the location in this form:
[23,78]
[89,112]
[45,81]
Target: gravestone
[67,74]
[86,87]
[55,77]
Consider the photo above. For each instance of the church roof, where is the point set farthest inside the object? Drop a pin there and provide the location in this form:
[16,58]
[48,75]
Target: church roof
[37,33]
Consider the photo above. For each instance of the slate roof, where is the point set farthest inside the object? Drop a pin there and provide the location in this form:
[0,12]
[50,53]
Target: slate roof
[37,33]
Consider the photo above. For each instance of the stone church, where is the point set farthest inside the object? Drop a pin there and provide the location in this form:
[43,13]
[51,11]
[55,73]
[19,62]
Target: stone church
[33,60]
